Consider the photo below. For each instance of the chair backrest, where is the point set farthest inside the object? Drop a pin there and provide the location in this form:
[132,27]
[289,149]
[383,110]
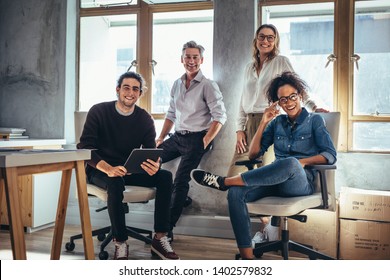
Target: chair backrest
[79,120]
[332,121]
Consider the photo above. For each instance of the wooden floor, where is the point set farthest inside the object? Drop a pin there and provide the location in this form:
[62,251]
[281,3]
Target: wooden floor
[38,246]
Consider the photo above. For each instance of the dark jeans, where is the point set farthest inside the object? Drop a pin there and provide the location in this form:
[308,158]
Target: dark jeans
[190,148]
[162,181]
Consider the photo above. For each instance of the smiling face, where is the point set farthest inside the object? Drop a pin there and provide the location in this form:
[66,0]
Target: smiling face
[191,60]
[128,94]
[265,41]
[290,101]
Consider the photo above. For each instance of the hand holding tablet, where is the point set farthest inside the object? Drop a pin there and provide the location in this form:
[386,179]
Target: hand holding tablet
[138,156]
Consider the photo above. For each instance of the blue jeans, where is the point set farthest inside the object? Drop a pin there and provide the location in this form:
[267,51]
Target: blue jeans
[283,177]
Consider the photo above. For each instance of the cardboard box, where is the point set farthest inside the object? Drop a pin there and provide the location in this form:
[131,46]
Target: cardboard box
[365,204]
[364,240]
[320,231]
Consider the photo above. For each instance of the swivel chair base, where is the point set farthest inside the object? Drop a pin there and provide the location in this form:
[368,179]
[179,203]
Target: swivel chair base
[136,233]
[285,245]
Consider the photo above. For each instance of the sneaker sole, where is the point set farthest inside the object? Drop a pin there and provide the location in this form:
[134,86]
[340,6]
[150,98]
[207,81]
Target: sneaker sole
[156,253]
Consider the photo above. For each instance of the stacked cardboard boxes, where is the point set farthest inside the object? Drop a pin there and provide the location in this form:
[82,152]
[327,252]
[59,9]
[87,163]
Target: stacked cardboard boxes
[364,224]
[320,231]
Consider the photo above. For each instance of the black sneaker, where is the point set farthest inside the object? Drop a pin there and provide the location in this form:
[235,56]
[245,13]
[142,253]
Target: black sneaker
[208,179]
[162,248]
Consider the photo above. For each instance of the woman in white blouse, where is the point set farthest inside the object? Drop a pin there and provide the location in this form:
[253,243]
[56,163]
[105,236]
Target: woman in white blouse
[266,65]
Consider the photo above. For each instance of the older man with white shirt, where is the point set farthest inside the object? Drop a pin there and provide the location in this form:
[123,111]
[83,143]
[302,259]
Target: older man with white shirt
[197,113]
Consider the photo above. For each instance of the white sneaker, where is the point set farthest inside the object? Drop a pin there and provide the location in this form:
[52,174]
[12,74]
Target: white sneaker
[121,251]
[259,237]
[271,233]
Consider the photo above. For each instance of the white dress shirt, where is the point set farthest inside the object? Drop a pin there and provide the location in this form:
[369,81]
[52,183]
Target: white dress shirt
[253,97]
[195,108]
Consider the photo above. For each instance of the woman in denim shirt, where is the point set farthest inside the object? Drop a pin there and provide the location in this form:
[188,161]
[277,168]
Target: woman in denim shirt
[300,138]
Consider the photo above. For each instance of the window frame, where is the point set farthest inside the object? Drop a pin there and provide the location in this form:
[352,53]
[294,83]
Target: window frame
[144,14]
[344,13]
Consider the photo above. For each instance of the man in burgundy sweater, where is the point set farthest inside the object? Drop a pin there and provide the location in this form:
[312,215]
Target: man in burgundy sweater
[112,130]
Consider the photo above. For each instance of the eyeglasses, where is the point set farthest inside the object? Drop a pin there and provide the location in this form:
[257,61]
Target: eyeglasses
[262,37]
[292,97]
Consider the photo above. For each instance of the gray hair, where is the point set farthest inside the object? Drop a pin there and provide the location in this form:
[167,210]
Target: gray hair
[193,45]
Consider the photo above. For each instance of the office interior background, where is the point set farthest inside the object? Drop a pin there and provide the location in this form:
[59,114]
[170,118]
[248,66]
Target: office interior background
[58,57]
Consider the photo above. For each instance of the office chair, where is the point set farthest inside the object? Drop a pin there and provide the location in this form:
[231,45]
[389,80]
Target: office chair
[283,208]
[131,194]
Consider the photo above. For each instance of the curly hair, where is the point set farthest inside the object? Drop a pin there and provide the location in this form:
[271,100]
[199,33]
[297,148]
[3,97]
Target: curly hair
[286,78]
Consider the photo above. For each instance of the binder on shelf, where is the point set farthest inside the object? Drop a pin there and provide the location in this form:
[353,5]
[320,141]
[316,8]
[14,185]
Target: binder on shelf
[13,136]
[7,133]
[12,130]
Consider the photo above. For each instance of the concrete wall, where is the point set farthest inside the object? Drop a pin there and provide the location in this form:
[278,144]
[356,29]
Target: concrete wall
[32,66]
[37,91]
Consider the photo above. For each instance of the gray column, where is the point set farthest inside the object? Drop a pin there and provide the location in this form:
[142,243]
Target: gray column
[234,26]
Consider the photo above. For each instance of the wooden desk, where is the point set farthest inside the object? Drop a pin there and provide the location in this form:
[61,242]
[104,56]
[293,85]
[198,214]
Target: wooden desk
[24,162]
[38,193]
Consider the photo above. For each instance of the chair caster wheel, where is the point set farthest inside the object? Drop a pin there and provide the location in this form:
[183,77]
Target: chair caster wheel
[258,255]
[69,246]
[101,237]
[103,255]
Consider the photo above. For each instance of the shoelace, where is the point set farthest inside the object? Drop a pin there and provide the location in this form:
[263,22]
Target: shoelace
[211,180]
[121,250]
[164,241]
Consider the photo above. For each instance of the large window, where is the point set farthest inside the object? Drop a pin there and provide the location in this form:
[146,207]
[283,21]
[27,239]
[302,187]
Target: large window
[307,39]
[170,31]
[371,94]
[107,49]
[116,36]
[342,49]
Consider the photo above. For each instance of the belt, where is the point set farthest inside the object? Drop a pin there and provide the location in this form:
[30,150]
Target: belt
[187,132]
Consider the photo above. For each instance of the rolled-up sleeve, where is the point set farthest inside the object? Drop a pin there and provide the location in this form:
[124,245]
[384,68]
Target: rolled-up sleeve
[324,141]
[214,100]
[171,113]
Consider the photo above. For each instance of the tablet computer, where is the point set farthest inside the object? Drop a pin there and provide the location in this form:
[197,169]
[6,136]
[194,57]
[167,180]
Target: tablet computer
[138,156]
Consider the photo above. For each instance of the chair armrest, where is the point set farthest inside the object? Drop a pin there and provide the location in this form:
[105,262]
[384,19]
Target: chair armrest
[321,166]
[250,163]
[321,169]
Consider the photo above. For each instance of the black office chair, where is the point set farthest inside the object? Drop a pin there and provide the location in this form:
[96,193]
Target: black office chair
[283,208]
[131,194]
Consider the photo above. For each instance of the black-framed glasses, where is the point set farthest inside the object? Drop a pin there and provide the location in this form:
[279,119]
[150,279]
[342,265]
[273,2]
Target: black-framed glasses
[292,97]
[262,37]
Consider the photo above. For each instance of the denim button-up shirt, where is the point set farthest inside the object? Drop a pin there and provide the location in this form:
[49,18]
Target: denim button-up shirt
[306,137]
